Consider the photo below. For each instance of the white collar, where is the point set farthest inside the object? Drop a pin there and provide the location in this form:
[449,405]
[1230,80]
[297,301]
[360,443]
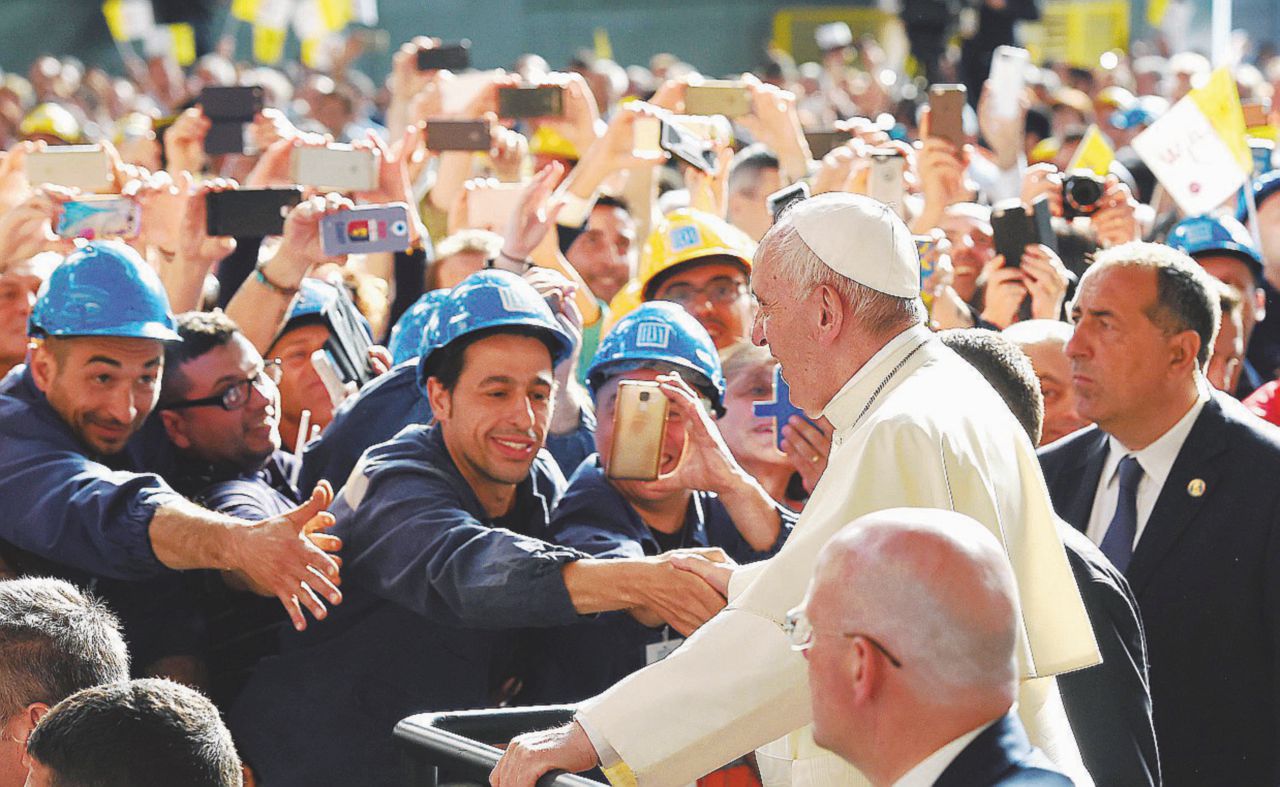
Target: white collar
[931,768]
[1157,458]
[863,383]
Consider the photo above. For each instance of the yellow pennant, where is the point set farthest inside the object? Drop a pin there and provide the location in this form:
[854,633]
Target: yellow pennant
[335,14]
[1220,103]
[1155,11]
[1093,153]
[603,46]
[244,10]
[184,43]
[268,44]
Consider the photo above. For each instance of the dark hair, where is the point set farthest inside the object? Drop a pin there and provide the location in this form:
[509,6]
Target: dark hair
[1039,124]
[54,641]
[200,332]
[1007,369]
[609,201]
[1186,298]
[446,363]
[136,734]
[748,163]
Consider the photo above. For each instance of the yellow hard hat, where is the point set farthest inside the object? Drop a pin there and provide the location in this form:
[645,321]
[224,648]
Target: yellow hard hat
[624,302]
[687,235]
[1045,150]
[546,141]
[52,120]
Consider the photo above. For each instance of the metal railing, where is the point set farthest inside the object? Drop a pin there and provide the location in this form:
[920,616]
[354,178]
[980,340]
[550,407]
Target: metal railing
[455,747]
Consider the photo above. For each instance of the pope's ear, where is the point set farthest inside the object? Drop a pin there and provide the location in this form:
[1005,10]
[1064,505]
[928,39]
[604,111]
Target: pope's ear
[832,312]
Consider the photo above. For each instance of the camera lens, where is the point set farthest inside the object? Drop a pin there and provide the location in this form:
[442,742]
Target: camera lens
[644,396]
[1083,192]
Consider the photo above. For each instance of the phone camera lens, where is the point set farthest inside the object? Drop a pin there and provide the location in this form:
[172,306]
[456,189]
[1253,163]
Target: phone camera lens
[644,396]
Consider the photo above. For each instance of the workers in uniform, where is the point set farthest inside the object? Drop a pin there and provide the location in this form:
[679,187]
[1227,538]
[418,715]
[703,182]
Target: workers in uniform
[703,498]
[446,557]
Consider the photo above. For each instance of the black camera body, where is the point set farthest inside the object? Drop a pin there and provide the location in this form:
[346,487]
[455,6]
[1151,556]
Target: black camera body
[1081,193]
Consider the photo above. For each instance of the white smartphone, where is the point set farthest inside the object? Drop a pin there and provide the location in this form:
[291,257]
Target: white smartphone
[85,167]
[491,208]
[647,135]
[884,182]
[327,370]
[336,168]
[1008,79]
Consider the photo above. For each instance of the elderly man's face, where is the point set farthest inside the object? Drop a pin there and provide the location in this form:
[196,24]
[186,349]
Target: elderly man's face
[783,323]
[1054,372]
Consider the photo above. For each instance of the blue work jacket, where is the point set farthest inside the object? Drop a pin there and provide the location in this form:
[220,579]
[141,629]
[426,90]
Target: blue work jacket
[86,519]
[435,593]
[389,404]
[588,656]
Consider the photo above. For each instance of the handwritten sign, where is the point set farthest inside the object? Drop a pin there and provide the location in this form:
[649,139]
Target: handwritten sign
[1186,153]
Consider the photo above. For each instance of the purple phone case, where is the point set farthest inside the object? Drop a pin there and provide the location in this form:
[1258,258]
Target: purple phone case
[365,230]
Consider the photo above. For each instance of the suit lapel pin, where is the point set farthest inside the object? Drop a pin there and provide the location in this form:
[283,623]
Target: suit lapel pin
[1196,487]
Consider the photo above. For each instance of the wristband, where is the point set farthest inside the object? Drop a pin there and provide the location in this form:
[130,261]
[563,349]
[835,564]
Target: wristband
[260,275]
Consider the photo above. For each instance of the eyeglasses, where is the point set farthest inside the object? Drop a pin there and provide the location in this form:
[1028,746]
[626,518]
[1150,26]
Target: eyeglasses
[800,631]
[720,290]
[237,395]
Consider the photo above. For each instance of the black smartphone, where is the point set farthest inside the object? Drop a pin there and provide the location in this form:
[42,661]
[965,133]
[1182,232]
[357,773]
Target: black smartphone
[227,136]
[454,57]
[458,135]
[348,343]
[823,142]
[238,103]
[782,199]
[1012,231]
[1013,228]
[688,147]
[530,102]
[249,213]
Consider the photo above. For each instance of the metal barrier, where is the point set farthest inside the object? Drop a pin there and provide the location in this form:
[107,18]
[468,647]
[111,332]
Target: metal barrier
[454,747]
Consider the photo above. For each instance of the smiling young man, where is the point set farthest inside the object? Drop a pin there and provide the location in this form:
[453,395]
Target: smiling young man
[75,507]
[220,407]
[446,558]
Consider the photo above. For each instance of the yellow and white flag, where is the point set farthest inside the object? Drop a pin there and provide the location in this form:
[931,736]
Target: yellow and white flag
[1198,149]
[1094,153]
[128,20]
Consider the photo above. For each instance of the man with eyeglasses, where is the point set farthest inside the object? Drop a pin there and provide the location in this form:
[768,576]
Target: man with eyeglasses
[910,632]
[701,262]
[220,406]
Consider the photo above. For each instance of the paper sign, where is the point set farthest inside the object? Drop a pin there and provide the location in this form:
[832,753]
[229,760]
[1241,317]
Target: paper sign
[128,20]
[1192,162]
[1093,153]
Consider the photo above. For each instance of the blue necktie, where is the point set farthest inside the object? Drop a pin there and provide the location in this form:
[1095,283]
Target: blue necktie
[1117,544]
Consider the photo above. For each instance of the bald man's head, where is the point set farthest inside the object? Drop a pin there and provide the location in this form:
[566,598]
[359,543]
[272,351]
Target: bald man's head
[934,589]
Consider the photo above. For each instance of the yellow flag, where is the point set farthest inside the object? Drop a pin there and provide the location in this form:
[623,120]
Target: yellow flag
[113,11]
[184,43]
[310,51]
[128,20]
[244,10]
[268,44]
[1220,103]
[1093,153]
[1155,11]
[603,46]
[335,14]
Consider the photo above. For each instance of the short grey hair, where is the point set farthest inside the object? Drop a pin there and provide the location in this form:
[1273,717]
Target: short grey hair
[54,641]
[796,262]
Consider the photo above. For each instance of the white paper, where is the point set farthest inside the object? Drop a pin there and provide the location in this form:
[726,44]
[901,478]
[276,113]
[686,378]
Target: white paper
[1190,160]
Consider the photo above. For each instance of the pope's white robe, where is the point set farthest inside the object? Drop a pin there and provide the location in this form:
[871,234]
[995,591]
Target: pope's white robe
[936,435]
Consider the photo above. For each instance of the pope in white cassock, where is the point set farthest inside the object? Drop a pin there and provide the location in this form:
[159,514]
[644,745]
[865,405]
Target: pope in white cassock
[837,279]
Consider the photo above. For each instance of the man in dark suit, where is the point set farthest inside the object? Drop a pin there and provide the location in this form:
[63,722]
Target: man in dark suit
[1108,705]
[910,630]
[1178,486]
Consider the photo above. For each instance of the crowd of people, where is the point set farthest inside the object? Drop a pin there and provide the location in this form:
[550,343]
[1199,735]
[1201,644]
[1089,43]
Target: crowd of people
[1016,514]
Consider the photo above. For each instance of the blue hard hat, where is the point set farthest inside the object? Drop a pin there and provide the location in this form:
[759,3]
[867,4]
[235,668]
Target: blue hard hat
[491,299]
[660,333]
[1223,234]
[407,335]
[103,289]
[1264,186]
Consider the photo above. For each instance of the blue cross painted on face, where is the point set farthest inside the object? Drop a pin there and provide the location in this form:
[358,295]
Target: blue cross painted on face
[779,409]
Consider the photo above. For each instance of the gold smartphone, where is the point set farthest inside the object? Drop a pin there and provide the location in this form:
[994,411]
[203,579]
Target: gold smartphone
[639,419]
[718,97]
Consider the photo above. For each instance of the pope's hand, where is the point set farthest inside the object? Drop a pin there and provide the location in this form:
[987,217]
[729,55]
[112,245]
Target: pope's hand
[531,755]
[715,573]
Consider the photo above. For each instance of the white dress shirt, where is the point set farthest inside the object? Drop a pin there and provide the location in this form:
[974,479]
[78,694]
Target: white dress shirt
[1156,461]
[931,768]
